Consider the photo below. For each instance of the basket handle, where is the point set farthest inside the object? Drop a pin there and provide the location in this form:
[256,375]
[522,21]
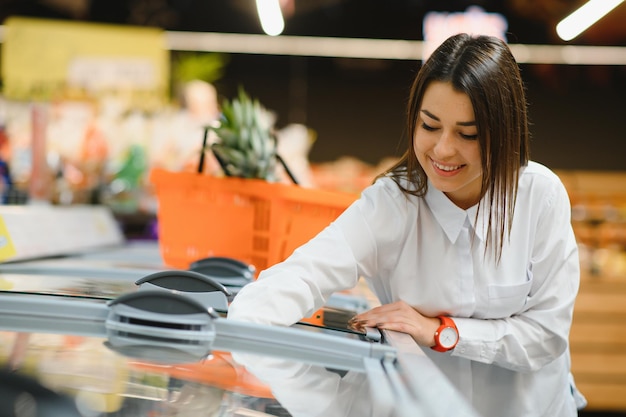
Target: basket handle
[223,164]
[287,170]
[204,140]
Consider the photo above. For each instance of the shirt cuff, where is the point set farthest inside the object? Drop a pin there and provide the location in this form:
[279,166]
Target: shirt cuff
[477,339]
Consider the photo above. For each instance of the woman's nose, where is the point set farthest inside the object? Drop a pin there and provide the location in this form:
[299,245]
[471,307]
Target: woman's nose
[445,145]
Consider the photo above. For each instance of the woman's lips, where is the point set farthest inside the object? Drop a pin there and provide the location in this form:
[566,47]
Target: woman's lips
[446,170]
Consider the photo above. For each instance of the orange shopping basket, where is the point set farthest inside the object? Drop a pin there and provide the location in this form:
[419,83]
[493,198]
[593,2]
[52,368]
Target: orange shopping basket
[252,220]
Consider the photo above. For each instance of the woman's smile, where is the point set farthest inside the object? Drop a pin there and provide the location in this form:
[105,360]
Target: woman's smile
[446,169]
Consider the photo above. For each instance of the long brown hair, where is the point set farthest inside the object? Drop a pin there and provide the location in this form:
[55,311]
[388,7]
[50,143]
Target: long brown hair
[484,68]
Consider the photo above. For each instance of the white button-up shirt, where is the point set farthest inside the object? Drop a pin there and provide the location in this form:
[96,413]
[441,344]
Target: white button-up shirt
[513,316]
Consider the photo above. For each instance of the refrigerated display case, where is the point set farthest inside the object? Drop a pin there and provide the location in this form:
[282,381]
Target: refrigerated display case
[130,352]
[109,330]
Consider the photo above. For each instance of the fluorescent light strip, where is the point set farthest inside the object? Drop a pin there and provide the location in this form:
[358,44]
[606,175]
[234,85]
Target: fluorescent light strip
[569,54]
[585,16]
[295,45]
[378,48]
[373,48]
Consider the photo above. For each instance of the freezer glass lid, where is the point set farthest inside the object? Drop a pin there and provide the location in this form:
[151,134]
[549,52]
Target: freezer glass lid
[160,345]
[100,381]
[65,285]
[158,353]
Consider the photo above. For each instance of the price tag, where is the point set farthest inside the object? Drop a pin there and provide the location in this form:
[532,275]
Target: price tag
[7,250]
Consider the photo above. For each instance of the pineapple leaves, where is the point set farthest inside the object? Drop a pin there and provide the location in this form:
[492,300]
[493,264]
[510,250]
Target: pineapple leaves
[246,145]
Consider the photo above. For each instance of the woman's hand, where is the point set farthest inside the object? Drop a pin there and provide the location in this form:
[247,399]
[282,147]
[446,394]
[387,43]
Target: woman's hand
[400,317]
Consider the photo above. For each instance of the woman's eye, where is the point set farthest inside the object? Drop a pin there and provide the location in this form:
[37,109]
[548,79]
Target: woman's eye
[463,135]
[427,127]
[469,137]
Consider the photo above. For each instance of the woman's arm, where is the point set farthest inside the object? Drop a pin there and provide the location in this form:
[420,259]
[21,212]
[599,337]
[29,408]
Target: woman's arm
[332,261]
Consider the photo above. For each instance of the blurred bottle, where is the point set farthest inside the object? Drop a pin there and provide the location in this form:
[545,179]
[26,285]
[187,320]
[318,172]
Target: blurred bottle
[41,179]
[123,194]
[6,183]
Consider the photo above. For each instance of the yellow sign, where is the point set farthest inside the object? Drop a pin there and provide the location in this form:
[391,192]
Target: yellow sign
[42,58]
[7,250]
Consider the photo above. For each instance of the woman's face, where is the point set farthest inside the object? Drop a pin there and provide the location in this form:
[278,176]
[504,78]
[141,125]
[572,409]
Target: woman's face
[446,144]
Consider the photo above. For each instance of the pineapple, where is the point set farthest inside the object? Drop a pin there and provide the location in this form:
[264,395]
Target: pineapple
[246,146]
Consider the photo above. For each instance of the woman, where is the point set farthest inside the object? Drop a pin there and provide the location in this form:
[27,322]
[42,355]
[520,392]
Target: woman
[464,233]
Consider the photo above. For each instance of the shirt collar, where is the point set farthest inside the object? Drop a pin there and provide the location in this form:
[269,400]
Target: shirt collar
[451,217]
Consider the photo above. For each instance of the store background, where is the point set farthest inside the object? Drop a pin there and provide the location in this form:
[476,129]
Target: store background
[356,106]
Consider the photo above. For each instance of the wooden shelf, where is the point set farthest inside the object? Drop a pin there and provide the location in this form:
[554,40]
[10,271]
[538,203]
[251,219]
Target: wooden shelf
[598,335]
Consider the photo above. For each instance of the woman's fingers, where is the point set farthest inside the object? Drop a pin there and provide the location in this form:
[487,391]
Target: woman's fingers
[400,317]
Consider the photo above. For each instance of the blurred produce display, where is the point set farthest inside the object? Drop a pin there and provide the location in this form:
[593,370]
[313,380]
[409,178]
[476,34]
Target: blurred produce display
[599,219]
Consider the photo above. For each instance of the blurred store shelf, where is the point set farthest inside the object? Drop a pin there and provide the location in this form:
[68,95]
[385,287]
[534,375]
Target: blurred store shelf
[598,340]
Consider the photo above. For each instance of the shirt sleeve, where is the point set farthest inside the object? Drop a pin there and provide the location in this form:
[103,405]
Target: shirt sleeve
[332,261]
[539,333]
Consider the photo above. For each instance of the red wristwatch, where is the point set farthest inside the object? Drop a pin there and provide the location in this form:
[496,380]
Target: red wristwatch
[446,336]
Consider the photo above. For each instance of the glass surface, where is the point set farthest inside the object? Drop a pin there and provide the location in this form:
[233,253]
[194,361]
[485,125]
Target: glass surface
[134,259]
[246,372]
[74,286]
[103,382]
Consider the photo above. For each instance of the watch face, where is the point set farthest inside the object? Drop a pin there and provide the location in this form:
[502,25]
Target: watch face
[448,337]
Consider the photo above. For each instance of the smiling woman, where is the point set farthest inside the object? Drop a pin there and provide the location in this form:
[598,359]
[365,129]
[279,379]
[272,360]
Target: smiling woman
[463,237]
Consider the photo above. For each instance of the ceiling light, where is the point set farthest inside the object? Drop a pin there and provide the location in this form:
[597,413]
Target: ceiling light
[588,14]
[271,16]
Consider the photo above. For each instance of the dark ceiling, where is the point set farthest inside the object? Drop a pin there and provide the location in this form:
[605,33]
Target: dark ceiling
[530,21]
